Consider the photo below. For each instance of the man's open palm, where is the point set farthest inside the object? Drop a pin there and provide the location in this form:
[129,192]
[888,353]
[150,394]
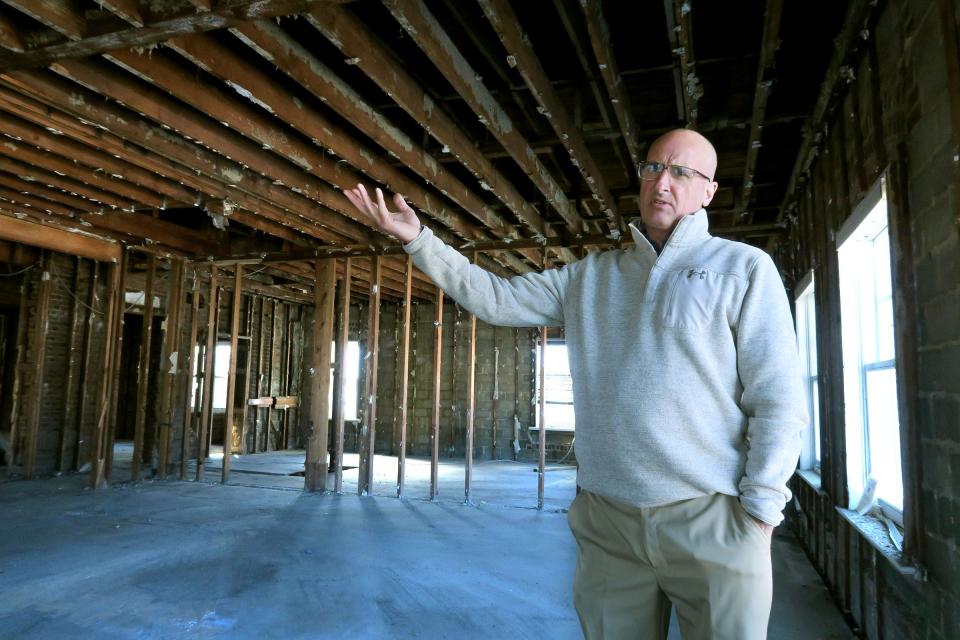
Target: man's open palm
[403,224]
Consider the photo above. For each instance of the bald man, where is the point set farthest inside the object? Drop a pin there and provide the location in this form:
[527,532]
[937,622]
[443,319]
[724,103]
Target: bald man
[687,394]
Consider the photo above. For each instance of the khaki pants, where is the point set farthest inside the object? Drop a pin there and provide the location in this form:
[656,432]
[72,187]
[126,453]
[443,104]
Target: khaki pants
[706,556]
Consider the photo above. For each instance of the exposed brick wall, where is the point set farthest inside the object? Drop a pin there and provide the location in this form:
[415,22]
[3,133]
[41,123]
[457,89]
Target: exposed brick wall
[896,113]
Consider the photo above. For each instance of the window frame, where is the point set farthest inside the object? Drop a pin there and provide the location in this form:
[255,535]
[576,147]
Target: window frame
[809,458]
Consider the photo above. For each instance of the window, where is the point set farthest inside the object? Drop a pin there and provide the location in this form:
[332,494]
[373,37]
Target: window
[869,372]
[807,340]
[221,372]
[351,380]
[558,387]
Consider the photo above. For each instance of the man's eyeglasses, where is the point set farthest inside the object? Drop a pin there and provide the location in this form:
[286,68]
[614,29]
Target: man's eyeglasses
[652,170]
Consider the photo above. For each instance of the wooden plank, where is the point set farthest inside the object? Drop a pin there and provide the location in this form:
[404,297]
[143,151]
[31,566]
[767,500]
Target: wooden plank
[110,358]
[315,475]
[273,347]
[143,372]
[248,331]
[226,15]
[189,408]
[343,340]
[113,406]
[54,239]
[609,71]
[541,407]
[405,379]
[15,394]
[288,375]
[287,402]
[298,62]
[358,42]
[261,402]
[437,362]
[10,37]
[206,410]
[50,178]
[471,407]
[368,428]
[260,425]
[507,25]
[34,388]
[427,33]
[63,16]
[126,9]
[87,438]
[228,427]
[69,428]
[170,362]
[769,44]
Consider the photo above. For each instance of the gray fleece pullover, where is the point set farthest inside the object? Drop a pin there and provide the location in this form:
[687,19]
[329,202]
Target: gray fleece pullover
[686,375]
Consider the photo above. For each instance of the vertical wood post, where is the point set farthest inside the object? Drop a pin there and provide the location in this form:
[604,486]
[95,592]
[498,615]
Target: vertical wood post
[324,290]
[206,405]
[437,361]
[342,341]
[143,371]
[248,331]
[471,405]
[119,310]
[170,362]
[232,374]
[15,395]
[190,407]
[70,427]
[273,343]
[405,376]
[112,331]
[368,431]
[541,384]
[85,436]
[38,336]
[260,379]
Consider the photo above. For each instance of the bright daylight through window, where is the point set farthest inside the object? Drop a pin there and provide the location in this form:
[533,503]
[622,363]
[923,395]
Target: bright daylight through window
[869,372]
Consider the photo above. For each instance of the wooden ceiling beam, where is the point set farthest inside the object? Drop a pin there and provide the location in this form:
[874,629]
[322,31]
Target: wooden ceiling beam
[680,32]
[770,42]
[24,185]
[316,77]
[507,25]
[154,230]
[116,192]
[225,15]
[164,153]
[357,42]
[599,32]
[128,10]
[427,33]
[49,178]
[10,36]
[227,154]
[50,237]
[63,16]
[67,146]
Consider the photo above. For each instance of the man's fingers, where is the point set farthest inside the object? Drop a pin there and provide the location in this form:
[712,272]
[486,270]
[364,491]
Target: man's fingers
[401,203]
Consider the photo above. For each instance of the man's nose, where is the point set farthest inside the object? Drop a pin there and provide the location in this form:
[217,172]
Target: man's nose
[663,181]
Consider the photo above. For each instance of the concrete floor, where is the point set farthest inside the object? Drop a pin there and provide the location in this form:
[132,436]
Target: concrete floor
[260,559]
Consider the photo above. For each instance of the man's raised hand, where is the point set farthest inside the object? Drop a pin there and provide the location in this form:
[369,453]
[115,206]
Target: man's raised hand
[403,224]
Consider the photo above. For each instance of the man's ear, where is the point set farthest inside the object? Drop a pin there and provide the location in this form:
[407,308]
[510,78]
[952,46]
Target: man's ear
[709,193]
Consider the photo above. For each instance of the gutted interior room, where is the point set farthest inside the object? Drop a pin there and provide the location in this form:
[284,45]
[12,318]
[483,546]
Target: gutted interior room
[394,318]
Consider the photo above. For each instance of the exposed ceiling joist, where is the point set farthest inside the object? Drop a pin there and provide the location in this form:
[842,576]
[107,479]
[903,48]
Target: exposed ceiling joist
[505,22]
[60,15]
[688,87]
[430,36]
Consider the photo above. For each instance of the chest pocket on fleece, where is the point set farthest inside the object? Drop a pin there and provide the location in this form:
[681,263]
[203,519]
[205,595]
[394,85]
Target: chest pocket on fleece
[692,298]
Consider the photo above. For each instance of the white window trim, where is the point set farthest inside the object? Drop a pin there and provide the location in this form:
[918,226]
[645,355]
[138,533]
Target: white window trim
[808,459]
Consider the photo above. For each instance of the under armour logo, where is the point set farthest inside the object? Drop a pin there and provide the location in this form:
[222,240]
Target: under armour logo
[693,272]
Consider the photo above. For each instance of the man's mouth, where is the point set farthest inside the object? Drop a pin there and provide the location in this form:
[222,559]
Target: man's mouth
[660,203]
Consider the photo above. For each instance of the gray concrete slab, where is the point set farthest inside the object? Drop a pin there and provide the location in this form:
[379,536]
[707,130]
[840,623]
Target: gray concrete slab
[260,559]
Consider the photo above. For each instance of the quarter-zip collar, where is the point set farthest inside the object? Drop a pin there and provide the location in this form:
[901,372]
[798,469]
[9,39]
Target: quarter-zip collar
[690,230]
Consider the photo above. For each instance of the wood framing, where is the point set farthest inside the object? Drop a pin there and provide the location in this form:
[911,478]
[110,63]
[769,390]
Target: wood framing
[437,363]
[315,476]
[190,400]
[206,411]
[170,358]
[54,239]
[542,417]
[405,380]
[143,372]
[34,386]
[471,408]
[368,428]
[228,427]
[343,338]
[110,354]
[69,428]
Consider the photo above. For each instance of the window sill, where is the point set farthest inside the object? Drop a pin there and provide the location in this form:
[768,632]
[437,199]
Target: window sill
[555,429]
[812,478]
[874,531]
